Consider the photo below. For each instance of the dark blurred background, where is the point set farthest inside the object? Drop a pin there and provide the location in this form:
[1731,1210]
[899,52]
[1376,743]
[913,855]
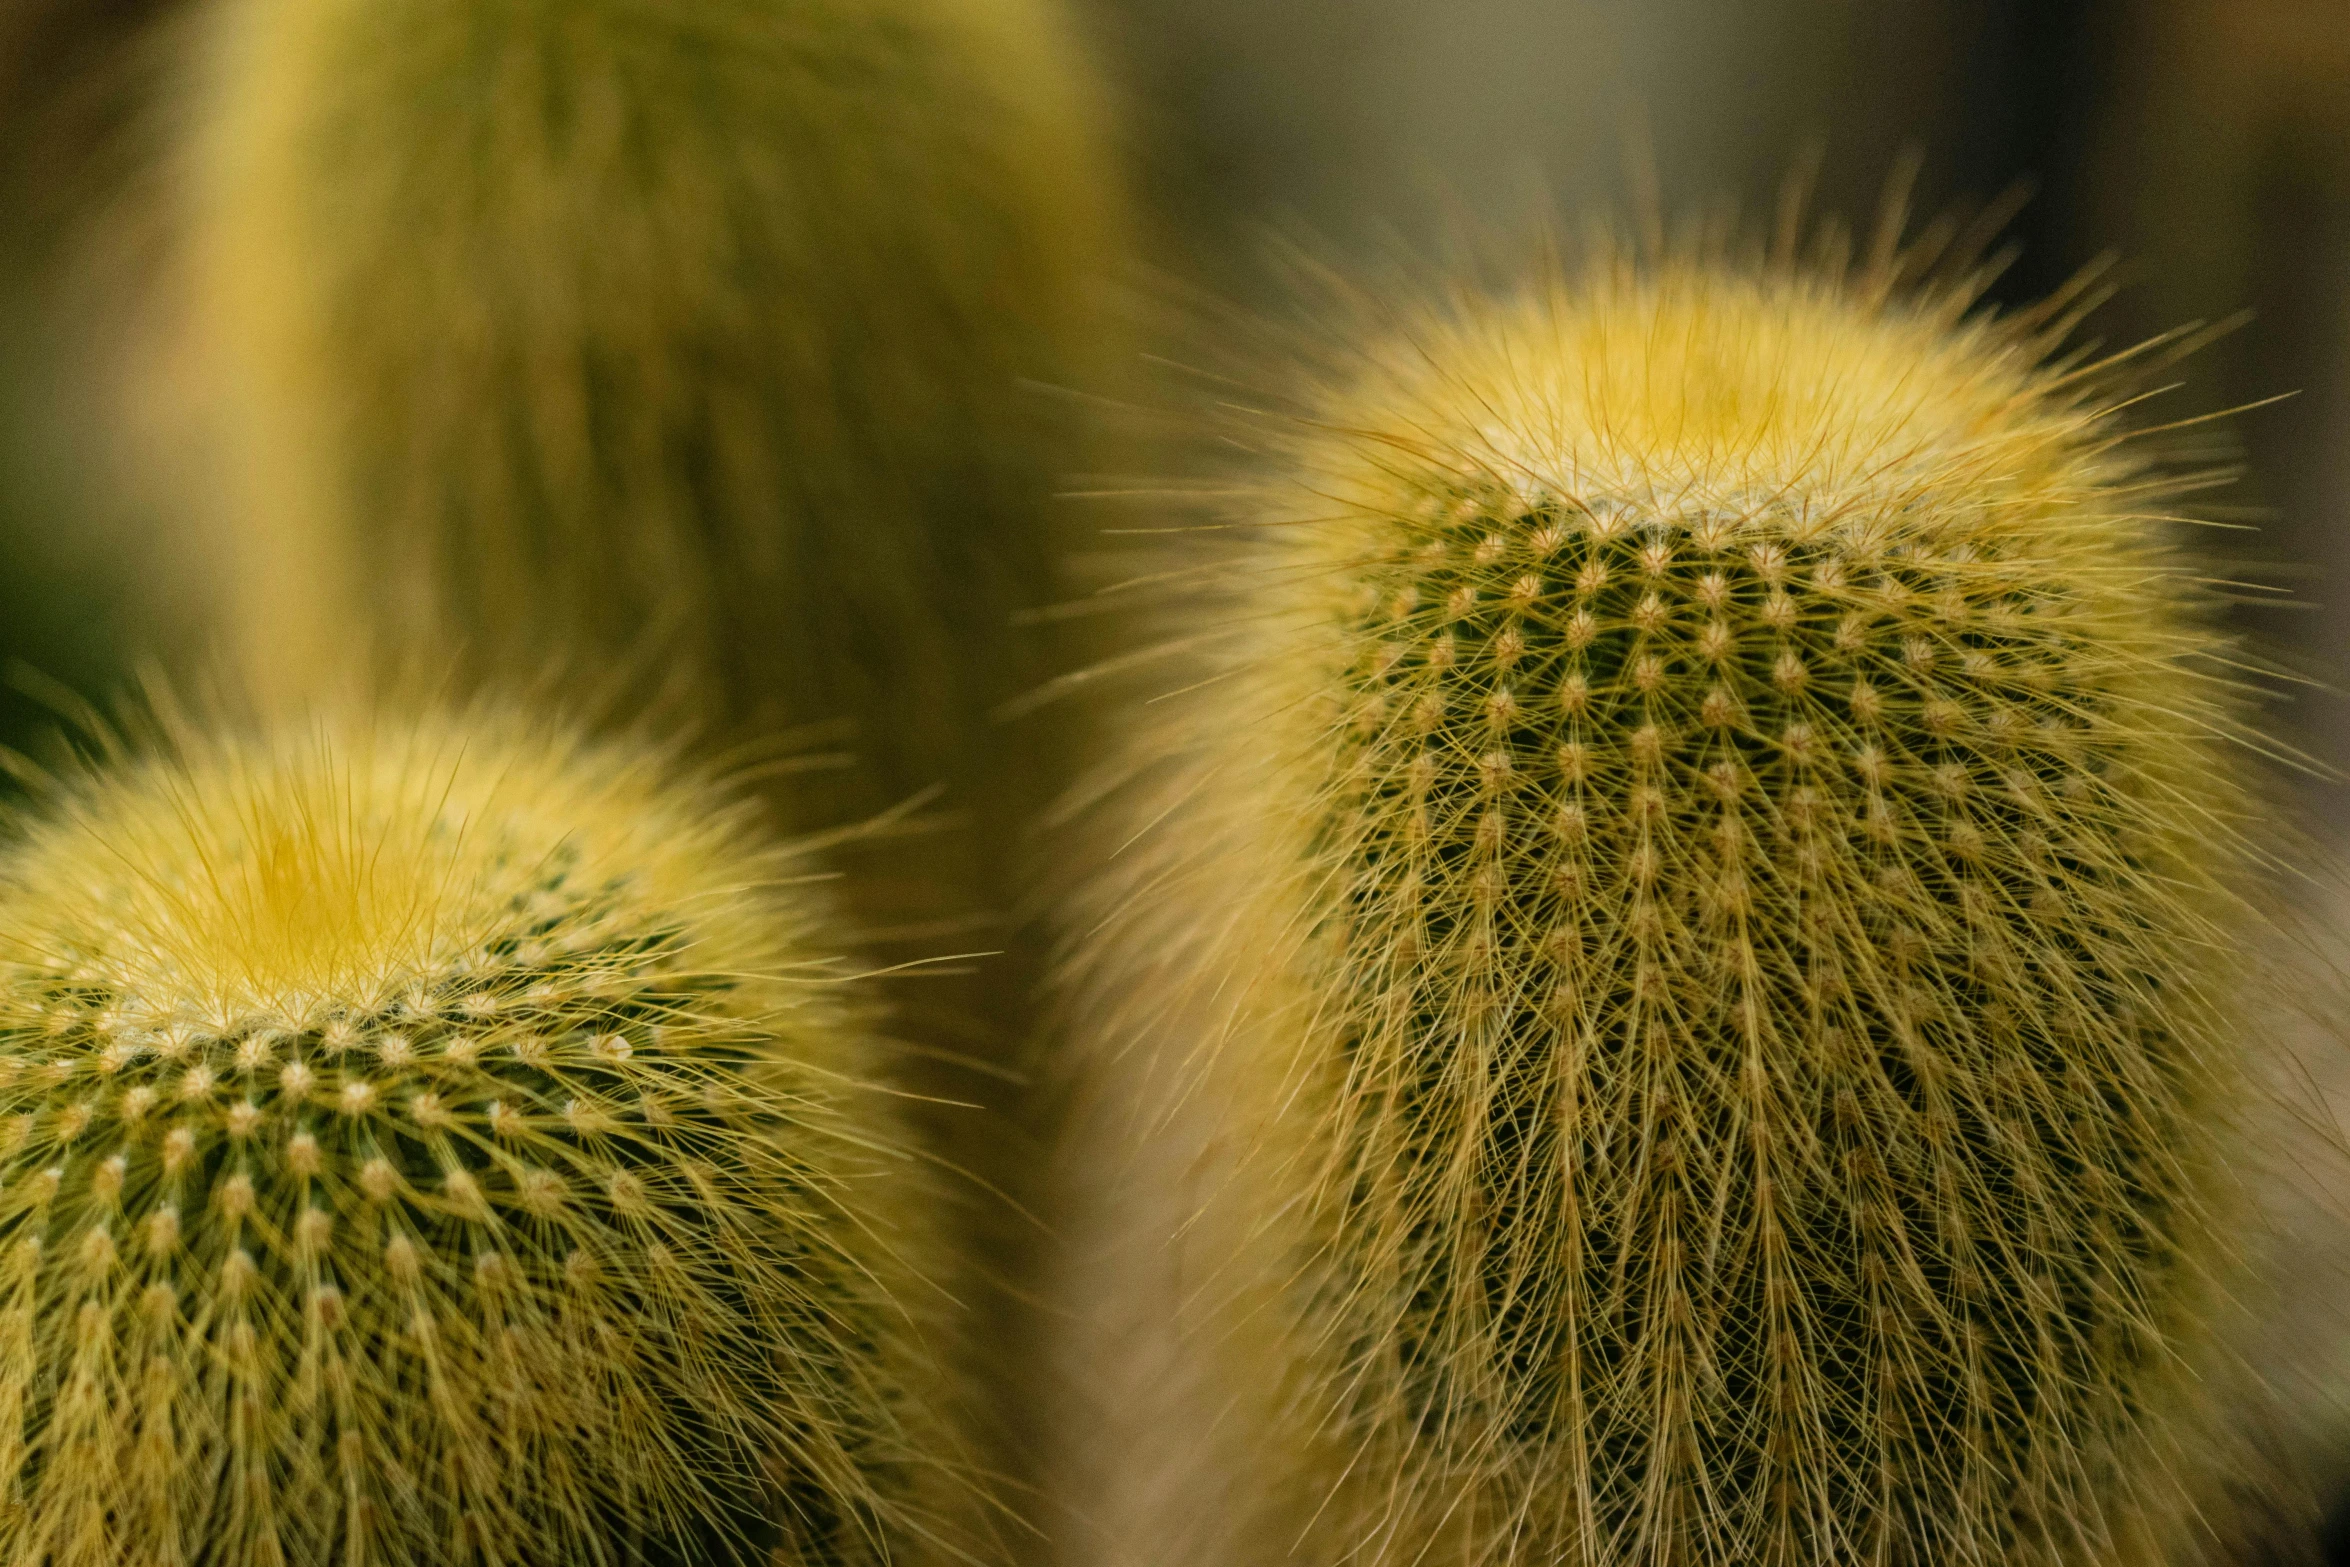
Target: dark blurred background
[2206,142]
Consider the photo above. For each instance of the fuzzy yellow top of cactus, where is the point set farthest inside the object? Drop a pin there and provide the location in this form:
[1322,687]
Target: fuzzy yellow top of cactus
[317,870]
[1697,390]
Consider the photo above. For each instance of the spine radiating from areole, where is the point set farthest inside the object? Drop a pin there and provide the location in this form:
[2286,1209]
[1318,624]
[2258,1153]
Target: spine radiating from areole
[442,1141]
[1677,959]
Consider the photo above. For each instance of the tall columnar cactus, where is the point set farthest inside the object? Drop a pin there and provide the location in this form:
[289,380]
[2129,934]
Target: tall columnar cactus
[443,1144]
[1686,928]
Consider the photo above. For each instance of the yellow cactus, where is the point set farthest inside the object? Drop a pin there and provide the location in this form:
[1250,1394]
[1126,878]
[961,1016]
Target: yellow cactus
[1687,926]
[443,1143]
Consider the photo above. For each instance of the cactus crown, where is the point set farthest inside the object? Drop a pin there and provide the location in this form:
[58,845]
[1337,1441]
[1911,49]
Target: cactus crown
[1724,822]
[417,1146]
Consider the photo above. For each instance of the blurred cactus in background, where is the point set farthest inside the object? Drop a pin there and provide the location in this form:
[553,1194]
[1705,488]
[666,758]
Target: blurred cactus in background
[577,332]
[1680,957]
[444,1142]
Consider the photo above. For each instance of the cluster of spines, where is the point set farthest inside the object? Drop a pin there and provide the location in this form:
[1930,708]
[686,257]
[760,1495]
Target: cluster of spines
[533,1249]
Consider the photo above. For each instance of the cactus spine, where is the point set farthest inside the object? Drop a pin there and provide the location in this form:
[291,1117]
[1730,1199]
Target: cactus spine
[1687,931]
[442,1144]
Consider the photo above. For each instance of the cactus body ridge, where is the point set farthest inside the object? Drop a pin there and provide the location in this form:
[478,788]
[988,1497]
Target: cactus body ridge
[1685,925]
[436,1144]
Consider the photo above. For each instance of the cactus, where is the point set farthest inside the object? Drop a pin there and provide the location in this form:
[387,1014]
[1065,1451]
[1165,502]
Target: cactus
[443,1143]
[596,332]
[1690,927]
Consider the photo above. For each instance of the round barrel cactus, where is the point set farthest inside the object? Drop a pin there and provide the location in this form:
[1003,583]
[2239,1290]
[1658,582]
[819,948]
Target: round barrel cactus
[443,1143]
[685,340]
